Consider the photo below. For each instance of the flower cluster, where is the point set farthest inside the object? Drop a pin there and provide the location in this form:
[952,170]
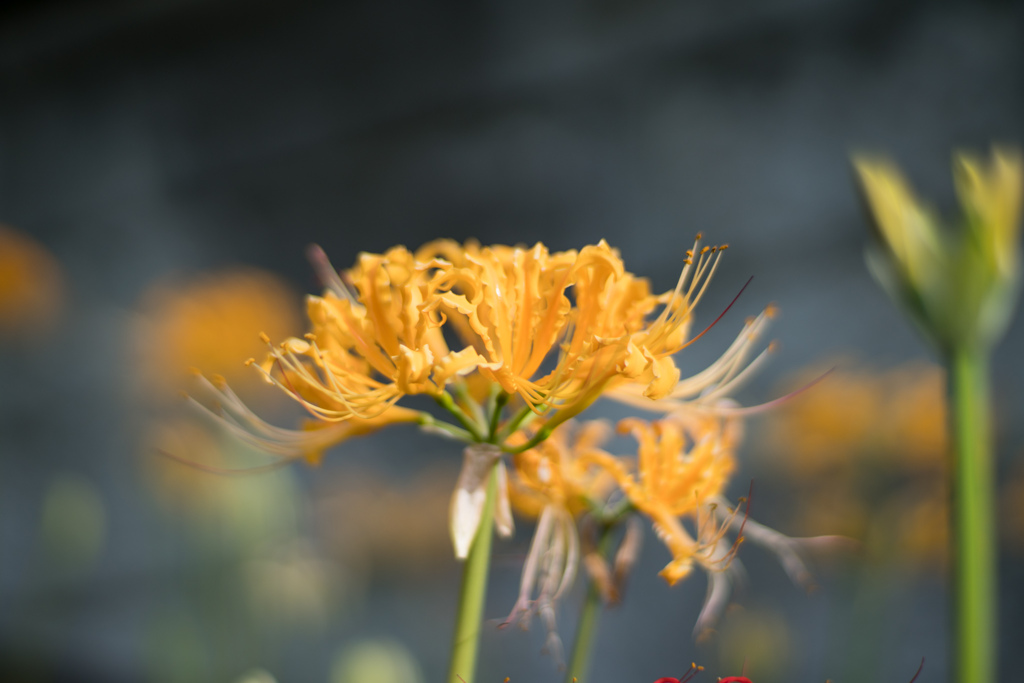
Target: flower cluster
[514,343]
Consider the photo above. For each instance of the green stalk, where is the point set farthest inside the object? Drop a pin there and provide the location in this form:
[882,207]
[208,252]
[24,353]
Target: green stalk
[444,399]
[579,662]
[428,420]
[520,419]
[466,640]
[973,498]
[496,404]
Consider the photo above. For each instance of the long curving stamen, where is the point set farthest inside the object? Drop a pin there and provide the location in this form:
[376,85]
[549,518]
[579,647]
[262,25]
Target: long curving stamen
[722,314]
[735,377]
[734,355]
[730,411]
[329,277]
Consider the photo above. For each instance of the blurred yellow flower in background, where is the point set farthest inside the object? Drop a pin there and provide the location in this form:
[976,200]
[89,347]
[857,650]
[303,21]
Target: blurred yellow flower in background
[866,451]
[31,287]
[213,322]
[897,415]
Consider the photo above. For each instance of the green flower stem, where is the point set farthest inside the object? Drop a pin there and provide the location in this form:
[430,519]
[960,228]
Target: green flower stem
[466,640]
[520,419]
[542,434]
[468,404]
[496,404]
[973,500]
[430,422]
[444,399]
[579,663]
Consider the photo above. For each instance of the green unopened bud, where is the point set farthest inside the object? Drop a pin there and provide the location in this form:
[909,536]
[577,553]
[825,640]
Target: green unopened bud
[960,286]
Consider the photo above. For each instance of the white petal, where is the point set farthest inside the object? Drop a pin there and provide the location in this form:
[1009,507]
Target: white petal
[503,510]
[715,602]
[470,494]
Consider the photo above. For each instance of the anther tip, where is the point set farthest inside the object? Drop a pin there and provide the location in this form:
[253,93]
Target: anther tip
[195,372]
[264,338]
[251,361]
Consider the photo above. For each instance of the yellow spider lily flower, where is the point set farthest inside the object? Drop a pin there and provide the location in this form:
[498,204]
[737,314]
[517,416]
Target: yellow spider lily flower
[368,347]
[682,467]
[559,329]
[556,329]
[513,306]
[680,470]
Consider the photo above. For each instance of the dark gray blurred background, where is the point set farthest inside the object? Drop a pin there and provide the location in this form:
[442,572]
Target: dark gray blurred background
[144,139]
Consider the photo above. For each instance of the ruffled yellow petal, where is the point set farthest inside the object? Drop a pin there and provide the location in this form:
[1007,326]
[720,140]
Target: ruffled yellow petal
[664,376]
